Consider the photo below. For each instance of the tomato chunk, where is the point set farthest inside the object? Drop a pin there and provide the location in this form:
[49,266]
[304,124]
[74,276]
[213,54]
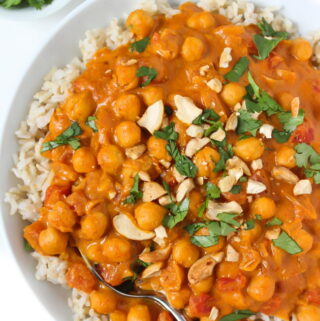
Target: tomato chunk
[232,284]
[200,305]
[303,134]
[55,194]
[272,305]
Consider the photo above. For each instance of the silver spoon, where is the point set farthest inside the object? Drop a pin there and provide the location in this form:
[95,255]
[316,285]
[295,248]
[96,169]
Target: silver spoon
[163,303]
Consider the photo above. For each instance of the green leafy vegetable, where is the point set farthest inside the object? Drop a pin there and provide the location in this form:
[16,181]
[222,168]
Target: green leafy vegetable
[236,189]
[274,222]
[167,133]
[287,243]
[91,122]
[38,4]
[141,45]
[207,116]
[213,191]
[313,171]
[204,240]
[148,72]
[167,188]
[247,124]
[289,122]
[237,71]
[135,194]
[213,127]
[68,137]
[27,246]
[177,214]
[228,218]
[243,179]
[250,224]
[280,136]
[225,151]
[305,154]
[268,40]
[258,217]
[237,315]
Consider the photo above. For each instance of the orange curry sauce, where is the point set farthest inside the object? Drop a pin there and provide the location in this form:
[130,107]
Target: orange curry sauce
[90,184]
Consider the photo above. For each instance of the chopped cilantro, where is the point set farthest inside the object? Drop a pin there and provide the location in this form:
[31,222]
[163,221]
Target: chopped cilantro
[167,133]
[27,246]
[243,179]
[207,116]
[141,45]
[237,315]
[177,214]
[213,191]
[258,217]
[280,136]
[148,72]
[236,189]
[225,151]
[273,222]
[228,218]
[247,124]
[287,243]
[305,154]
[289,122]
[135,194]
[238,70]
[91,122]
[167,188]
[250,224]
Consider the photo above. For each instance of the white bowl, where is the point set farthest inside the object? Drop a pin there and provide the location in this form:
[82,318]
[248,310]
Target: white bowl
[31,13]
[60,48]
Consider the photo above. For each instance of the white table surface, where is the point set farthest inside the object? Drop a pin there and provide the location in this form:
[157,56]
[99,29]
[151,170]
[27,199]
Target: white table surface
[20,41]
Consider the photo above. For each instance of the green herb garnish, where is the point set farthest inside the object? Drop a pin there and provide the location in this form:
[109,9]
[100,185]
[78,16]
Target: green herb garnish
[167,133]
[177,214]
[207,116]
[135,194]
[237,315]
[289,122]
[148,72]
[280,136]
[91,122]
[274,222]
[250,224]
[238,70]
[236,189]
[140,46]
[229,218]
[68,137]
[287,243]
[27,246]
[38,4]
[247,124]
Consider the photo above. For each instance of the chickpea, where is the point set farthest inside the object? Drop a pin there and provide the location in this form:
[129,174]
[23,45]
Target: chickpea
[285,156]
[203,286]
[140,23]
[264,206]
[192,49]
[167,44]
[52,241]
[151,94]
[301,49]
[261,288]
[157,148]
[308,313]
[103,301]
[249,149]
[201,20]
[127,76]
[117,249]
[93,226]
[179,299]
[139,312]
[185,253]
[149,215]
[62,217]
[127,134]
[128,107]
[80,106]
[233,93]
[205,160]
[83,160]
[118,316]
[110,158]
[285,100]
[58,123]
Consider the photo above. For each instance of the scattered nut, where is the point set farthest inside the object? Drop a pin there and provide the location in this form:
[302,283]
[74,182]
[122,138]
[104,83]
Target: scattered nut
[236,162]
[225,58]
[232,122]
[203,70]
[184,188]
[273,233]
[156,256]
[215,84]
[144,176]
[165,200]
[153,116]
[195,131]
[218,135]
[302,187]
[165,163]
[266,130]
[195,145]
[200,180]
[255,187]
[215,208]
[284,174]
[136,151]
[218,256]
[152,191]
[213,314]
[178,177]
[226,183]
[161,235]
[257,164]
[201,269]
[152,270]
[232,254]
[187,111]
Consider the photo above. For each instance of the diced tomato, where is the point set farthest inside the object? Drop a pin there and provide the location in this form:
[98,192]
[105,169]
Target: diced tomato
[313,296]
[31,234]
[55,194]
[303,134]
[79,277]
[200,305]
[165,316]
[77,200]
[113,273]
[240,198]
[232,284]
[272,305]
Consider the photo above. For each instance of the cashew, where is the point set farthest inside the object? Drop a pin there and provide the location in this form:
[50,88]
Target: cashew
[232,254]
[226,183]
[195,131]
[232,122]
[218,135]
[156,256]
[273,233]
[178,177]
[152,270]
[161,235]
[266,130]
[136,151]
[185,187]
[302,187]
[225,58]
[187,111]
[257,164]
[125,226]
[215,84]
[215,208]
[153,116]
[284,174]
[152,191]
[213,314]
[201,269]
[195,145]
[255,187]
[236,162]
[144,176]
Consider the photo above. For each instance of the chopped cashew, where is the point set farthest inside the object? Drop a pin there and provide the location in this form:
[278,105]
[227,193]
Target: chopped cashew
[161,234]
[257,164]
[184,188]
[218,256]
[215,84]
[125,226]
[232,255]
[255,187]
[201,269]
[232,122]
[165,200]
[195,131]
[226,183]
[284,174]
[152,191]
[195,145]
[236,162]
[218,135]
[295,106]
[178,177]
[152,270]
[213,314]
[165,163]
[130,62]
[215,208]
[302,187]
[200,180]
[203,70]
[273,233]
[153,116]
[225,58]
[144,176]
[187,111]
[235,172]
[136,151]
[266,130]
[156,256]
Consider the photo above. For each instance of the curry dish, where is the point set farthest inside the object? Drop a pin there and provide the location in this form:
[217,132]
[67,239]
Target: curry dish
[186,163]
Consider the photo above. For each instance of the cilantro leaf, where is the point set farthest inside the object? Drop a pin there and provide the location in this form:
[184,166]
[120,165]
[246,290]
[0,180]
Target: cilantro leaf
[193,228]
[313,171]
[140,46]
[214,127]
[167,188]
[204,240]
[237,315]
[225,152]
[207,116]
[203,207]
[237,71]
[228,218]
[167,133]
[247,124]
[10,3]
[91,122]
[287,243]
[68,137]
[177,214]
[250,224]
[226,229]
[289,122]
[213,191]
[27,246]
[280,136]
[236,189]
[305,154]
[268,31]
[135,194]
[274,222]
[148,72]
